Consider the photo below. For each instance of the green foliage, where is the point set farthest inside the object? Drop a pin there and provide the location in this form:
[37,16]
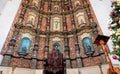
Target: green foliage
[114,25]
[117,52]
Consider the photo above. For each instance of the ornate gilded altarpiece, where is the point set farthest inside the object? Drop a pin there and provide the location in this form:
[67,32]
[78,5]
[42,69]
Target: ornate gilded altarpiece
[42,26]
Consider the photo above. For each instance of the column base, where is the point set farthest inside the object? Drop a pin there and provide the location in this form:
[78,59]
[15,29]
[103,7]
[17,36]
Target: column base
[1,58]
[68,64]
[79,62]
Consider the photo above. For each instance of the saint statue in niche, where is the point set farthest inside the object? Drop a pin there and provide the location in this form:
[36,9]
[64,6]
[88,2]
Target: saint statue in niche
[56,24]
[56,46]
[56,8]
[23,52]
[88,48]
[31,20]
[35,3]
[77,4]
[54,62]
[24,49]
[89,52]
[55,55]
[81,21]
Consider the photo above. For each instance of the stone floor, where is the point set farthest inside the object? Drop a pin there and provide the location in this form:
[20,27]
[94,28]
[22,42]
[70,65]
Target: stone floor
[84,70]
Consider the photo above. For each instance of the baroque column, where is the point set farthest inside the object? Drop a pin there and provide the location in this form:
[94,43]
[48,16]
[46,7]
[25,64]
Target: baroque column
[10,48]
[77,48]
[35,49]
[34,54]
[46,50]
[12,43]
[67,51]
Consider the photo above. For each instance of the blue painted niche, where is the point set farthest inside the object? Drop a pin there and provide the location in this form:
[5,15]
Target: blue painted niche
[25,42]
[58,46]
[87,44]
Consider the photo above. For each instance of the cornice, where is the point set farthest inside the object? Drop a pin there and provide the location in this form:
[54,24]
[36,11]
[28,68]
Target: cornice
[53,13]
[92,27]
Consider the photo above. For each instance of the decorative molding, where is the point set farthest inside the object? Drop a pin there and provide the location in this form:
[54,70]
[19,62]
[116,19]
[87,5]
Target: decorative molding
[28,35]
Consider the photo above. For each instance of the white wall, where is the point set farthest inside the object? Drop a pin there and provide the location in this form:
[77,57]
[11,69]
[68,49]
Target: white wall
[6,19]
[2,4]
[102,9]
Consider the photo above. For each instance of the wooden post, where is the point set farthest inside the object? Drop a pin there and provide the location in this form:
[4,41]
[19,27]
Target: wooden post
[102,40]
[102,44]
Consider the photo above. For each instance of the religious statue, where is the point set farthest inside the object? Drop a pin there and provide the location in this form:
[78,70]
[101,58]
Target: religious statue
[31,21]
[81,21]
[56,24]
[24,49]
[88,51]
[77,4]
[23,52]
[56,9]
[54,62]
[88,48]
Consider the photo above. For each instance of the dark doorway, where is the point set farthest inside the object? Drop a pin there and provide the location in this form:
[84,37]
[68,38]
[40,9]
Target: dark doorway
[50,72]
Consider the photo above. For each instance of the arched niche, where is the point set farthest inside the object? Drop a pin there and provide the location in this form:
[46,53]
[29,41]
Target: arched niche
[31,19]
[87,45]
[56,43]
[35,3]
[80,19]
[24,45]
[25,42]
[77,3]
